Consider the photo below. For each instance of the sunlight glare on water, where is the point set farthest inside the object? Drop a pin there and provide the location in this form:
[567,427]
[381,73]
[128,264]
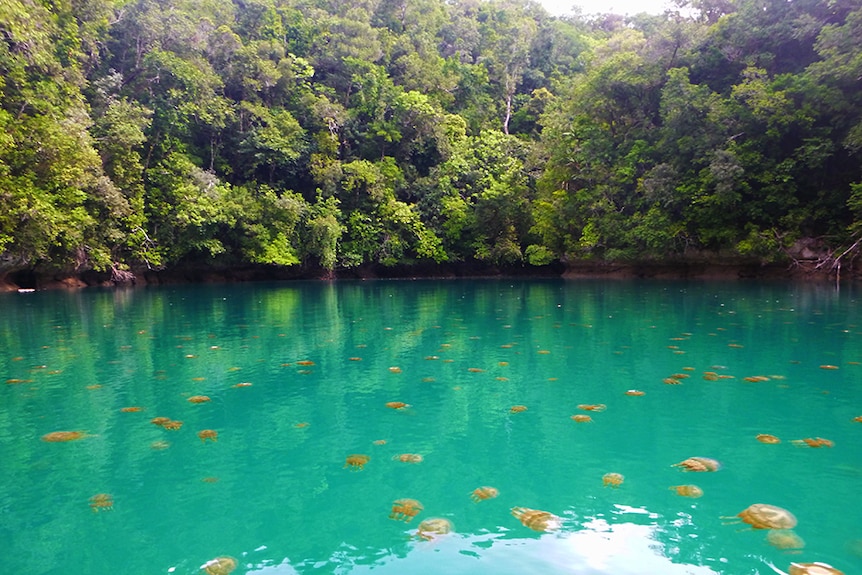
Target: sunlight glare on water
[294,378]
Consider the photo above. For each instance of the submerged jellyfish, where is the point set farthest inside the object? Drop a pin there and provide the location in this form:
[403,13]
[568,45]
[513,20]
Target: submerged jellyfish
[132,409]
[405,509]
[482,493]
[433,528]
[408,458]
[767,438]
[397,405]
[172,425]
[813,442]
[199,399]
[581,418]
[518,408]
[357,461]
[635,392]
[699,464]
[593,406]
[692,491]
[219,566]
[765,516]
[612,479]
[536,519]
[205,434]
[58,436]
[160,421]
[101,502]
[784,539]
[813,569]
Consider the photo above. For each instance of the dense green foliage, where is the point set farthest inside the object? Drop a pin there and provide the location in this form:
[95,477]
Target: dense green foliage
[335,134]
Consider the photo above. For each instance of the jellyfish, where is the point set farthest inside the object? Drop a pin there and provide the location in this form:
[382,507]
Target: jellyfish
[434,527]
[536,519]
[205,434]
[133,409]
[679,375]
[612,479]
[101,502]
[593,406]
[243,384]
[160,421]
[199,399]
[635,392]
[408,458]
[395,369]
[710,376]
[784,539]
[305,362]
[858,418]
[173,425]
[699,464]
[356,462]
[405,510]
[813,442]
[756,378]
[813,569]
[765,516]
[671,381]
[692,491]
[397,405]
[379,442]
[581,418]
[475,369]
[767,438]
[59,436]
[518,408]
[483,493]
[830,367]
[219,566]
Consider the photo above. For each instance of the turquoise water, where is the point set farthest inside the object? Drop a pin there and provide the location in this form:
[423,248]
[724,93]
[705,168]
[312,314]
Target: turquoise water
[279,499]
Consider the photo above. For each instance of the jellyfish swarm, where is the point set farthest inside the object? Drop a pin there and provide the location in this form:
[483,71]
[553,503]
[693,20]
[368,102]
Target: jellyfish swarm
[536,519]
[784,539]
[219,566]
[434,527]
[483,493]
[699,464]
[765,516]
[692,491]
[813,569]
[612,479]
[405,509]
[60,436]
[356,461]
[101,502]
[205,434]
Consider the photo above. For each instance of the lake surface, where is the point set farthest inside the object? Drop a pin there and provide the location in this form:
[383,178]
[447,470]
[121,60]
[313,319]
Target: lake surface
[299,376]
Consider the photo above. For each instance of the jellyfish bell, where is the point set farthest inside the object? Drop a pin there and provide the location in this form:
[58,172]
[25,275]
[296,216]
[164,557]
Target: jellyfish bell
[813,569]
[613,479]
[581,418]
[635,392]
[219,566]
[430,529]
[536,519]
[699,464]
[397,405]
[356,461]
[784,539]
[765,516]
[767,438]
[160,421]
[199,399]
[408,458]
[405,510]
[593,406]
[205,434]
[692,491]
[483,493]
[62,436]
[101,502]
[518,408]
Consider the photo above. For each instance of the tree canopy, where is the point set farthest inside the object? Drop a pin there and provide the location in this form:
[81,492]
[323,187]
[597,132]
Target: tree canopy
[146,134]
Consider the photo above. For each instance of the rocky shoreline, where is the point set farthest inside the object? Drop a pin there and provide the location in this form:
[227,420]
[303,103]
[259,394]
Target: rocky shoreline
[35,279]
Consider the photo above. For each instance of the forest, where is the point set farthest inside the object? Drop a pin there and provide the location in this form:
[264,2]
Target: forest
[322,136]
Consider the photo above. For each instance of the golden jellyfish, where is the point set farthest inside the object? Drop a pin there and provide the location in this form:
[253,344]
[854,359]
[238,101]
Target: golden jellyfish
[612,479]
[243,384]
[829,367]
[210,479]
[483,493]
[397,405]
[173,425]
[355,358]
[765,516]
[813,442]
[813,569]
[858,418]
[536,519]
[408,458]
[710,376]
[635,392]
[159,445]
[593,406]
[767,438]
[101,502]
[199,399]
[433,528]
[160,421]
[671,381]
[679,375]
[357,461]
[405,510]
[784,539]
[395,369]
[133,409]
[581,418]
[305,362]
[219,566]
[379,442]
[301,424]
[205,434]
[475,369]
[692,491]
[61,436]
[518,408]
[699,464]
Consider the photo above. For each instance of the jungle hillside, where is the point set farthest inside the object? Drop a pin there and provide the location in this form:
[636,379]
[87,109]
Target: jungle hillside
[320,137]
